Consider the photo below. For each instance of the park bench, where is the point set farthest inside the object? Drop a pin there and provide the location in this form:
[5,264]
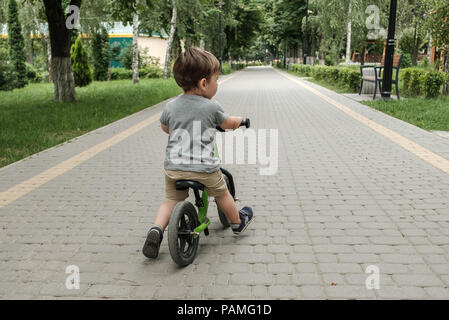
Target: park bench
[376,75]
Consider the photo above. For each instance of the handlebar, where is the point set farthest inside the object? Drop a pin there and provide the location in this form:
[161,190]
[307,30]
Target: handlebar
[245,123]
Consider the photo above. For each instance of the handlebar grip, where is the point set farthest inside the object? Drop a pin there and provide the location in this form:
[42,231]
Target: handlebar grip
[245,123]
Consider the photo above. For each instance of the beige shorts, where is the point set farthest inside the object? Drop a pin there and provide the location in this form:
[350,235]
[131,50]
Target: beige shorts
[214,183]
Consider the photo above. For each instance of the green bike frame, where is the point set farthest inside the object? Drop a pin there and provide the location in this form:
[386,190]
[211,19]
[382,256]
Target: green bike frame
[202,214]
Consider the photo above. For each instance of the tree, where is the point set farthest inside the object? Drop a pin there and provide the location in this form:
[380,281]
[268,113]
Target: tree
[60,34]
[16,45]
[101,55]
[128,12]
[170,40]
[438,24]
[80,64]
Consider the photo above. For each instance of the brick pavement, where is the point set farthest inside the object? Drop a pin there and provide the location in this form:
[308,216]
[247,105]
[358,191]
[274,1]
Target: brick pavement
[344,198]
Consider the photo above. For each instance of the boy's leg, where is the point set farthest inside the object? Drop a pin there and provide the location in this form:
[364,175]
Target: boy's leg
[154,237]
[164,212]
[239,219]
[227,205]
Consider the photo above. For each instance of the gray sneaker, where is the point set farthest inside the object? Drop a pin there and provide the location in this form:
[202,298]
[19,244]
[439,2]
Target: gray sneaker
[153,242]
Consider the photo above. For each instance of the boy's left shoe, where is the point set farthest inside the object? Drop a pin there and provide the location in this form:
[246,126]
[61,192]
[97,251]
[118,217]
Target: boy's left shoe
[246,217]
[153,242]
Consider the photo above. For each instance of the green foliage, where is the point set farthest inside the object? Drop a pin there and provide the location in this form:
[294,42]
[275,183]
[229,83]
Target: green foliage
[406,41]
[414,84]
[101,55]
[406,61]
[344,76]
[127,57]
[418,81]
[80,64]
[32,74]
[120,74]
[151,71]
[431,83]
[304,70]
[123,73]
[16,46]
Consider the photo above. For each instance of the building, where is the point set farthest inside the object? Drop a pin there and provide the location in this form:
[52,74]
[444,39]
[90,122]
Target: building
[154,45]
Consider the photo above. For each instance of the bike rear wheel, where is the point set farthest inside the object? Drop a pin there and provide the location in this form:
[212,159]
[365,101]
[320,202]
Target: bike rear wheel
[182,243]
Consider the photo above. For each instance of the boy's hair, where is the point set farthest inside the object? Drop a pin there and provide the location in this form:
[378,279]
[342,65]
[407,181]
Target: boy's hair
[192,66]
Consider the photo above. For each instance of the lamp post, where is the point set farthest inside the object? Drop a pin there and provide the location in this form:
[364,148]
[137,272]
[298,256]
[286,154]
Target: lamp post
[220,58]
[305,35]
[389,52]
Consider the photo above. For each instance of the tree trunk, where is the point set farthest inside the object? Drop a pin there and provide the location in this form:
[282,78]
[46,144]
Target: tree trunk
[446,70]
[348,41]
[429,48]
[61,66]
[415,47]
[63,79]
[135,64]
[170,40]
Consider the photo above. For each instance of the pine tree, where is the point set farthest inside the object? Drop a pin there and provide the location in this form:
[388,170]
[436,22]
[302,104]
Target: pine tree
[80,64]
[16,46]
[101,55]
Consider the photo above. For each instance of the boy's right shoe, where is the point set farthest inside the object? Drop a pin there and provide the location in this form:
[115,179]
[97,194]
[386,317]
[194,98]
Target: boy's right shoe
[246,217]
[153,242]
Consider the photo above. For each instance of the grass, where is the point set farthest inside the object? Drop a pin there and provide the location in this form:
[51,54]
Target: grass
[30,120]
[428,114]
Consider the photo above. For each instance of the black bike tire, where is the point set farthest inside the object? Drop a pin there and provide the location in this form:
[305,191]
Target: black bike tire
[181,209]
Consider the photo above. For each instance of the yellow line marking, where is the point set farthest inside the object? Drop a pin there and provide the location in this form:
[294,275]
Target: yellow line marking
[409,145]
[25,187]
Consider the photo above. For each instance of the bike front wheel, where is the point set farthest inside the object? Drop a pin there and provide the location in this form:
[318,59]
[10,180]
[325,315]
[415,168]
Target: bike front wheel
[182,243]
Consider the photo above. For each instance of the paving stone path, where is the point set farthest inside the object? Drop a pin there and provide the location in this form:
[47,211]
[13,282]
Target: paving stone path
[344,198]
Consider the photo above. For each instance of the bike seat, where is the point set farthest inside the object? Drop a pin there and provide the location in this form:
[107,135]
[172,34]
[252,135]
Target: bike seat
[186,184]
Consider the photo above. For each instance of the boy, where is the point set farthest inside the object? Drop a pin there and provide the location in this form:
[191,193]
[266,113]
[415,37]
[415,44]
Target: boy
[191,121]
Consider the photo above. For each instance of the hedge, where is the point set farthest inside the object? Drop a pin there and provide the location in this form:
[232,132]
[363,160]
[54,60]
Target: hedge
[417,81]
[122,73]
[342,75]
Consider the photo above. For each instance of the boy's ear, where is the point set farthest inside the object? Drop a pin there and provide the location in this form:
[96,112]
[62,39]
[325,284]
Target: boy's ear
[202,83]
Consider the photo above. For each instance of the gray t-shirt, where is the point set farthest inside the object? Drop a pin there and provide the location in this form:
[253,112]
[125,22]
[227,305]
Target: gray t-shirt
[191,121]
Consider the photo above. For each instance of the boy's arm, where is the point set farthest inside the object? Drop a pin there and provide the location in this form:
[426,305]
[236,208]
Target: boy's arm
[231,122]
[165,128]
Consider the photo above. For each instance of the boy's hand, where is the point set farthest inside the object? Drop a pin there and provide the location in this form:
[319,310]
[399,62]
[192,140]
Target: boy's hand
[164,128]
[232,123]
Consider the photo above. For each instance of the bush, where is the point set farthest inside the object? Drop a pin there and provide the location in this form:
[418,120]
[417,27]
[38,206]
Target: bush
[150,72]
[16,46]
[226,68]
[120,74]
[406,77]
[124,74]
[406,61]
[101,55]
[415,85]
[32,74]
[238,66]
[6,77]
[80,64]
[304,70]
[431,83]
